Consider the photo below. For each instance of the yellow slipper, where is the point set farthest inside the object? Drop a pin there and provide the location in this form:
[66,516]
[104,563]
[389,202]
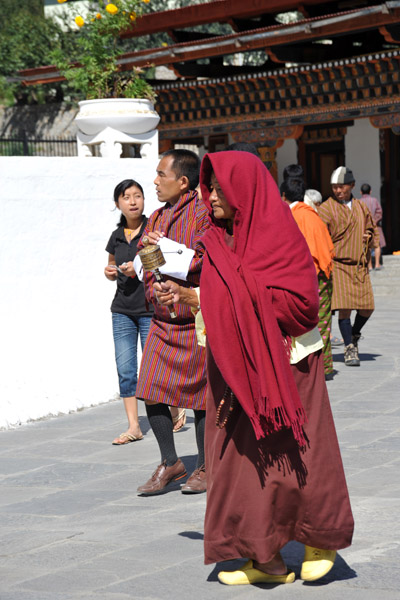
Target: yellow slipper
[248,574]
[316,563]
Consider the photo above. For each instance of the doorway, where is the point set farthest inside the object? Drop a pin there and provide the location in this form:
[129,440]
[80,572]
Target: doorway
[321,151]
[390,190]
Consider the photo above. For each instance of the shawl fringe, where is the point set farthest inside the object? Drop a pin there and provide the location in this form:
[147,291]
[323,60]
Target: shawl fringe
[267,420]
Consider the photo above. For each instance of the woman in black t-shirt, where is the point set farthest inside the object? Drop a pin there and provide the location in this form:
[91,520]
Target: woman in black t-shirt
[130,316]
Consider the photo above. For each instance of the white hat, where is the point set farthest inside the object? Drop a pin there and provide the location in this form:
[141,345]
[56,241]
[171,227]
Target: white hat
[342,176]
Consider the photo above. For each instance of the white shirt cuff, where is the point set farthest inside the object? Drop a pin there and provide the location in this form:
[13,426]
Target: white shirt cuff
[305,344]
[137,265]
[178,258]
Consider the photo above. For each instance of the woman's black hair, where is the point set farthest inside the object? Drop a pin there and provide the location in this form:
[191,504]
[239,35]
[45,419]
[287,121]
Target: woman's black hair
[120,190]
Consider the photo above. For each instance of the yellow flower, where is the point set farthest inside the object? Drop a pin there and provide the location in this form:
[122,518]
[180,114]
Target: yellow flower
[112,9]
[132,16]
[163,43]
[79,21]
[98,16]
[146,1]
[61,1]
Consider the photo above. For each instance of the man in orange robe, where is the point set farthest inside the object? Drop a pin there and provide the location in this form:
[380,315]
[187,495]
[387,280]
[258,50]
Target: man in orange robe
[322,251]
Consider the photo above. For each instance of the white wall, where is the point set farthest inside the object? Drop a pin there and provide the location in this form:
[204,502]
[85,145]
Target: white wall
[362,155]
[286,155]
[55,220]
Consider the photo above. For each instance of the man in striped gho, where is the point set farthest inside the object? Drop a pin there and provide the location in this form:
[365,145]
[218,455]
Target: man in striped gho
[375,209]
[353,233]
[173,371]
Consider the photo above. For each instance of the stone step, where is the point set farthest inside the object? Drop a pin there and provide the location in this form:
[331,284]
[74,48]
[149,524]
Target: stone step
[386,281]
[392,261]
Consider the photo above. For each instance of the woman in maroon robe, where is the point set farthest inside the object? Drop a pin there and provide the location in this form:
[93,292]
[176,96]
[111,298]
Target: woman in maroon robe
[273,464]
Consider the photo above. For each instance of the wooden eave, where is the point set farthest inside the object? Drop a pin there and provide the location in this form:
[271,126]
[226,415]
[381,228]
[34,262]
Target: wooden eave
[339,90]
[306,30]
[221,11]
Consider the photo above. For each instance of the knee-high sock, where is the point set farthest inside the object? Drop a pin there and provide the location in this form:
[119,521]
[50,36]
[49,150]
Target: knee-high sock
[199,423]
[161,423]
[359,323]
[345,330]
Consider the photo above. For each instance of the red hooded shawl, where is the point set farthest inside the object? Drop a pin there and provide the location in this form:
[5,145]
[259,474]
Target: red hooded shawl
[247,331]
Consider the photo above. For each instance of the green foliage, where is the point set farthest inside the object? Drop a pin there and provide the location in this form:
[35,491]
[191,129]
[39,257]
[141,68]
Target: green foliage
[26,40]
[8,7]
[137,87]
[15,147]
[7,91]
[95,72]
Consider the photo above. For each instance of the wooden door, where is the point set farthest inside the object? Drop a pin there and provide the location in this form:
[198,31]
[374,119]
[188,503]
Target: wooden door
[321,161]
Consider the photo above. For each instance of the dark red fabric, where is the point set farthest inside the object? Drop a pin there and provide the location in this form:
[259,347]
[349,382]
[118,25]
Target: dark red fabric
[247,337]
[263,494]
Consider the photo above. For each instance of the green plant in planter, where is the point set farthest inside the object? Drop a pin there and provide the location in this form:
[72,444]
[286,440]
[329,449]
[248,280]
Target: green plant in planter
[96,73]
[138,87]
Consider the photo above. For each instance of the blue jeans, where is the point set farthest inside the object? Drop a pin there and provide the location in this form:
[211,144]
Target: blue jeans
[126,334]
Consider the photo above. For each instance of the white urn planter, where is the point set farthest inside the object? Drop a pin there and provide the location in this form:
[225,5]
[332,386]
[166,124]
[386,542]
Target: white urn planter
[111,122]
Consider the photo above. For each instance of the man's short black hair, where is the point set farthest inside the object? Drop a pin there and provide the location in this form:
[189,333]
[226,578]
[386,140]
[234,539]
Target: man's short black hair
[293,171]
[244,147]
[365,188]
[294,189]
[185,164]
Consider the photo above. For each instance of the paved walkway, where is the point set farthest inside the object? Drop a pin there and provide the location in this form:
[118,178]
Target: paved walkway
[72,526]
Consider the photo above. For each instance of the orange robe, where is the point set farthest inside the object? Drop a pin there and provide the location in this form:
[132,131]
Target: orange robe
[317,237]
[322,251]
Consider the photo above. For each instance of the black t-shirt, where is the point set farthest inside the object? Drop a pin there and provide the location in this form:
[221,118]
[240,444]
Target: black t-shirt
[129,298]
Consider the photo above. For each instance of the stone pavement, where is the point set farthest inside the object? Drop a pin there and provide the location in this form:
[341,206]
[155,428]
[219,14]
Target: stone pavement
[72,526]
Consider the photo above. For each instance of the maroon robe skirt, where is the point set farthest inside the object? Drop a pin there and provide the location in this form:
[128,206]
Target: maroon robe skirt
[263,494]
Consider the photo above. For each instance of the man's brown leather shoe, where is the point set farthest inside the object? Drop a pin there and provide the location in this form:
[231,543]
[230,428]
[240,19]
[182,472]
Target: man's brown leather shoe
[161,477]
[197,482]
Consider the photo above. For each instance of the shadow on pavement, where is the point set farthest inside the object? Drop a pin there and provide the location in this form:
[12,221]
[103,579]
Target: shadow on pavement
[363,357]
[192,535]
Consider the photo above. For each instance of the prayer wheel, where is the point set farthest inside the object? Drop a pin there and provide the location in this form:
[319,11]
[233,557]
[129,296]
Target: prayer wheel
[152,259]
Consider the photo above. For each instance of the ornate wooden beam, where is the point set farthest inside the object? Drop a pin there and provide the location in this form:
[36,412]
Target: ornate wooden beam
[310,29]
[220,11]
[386,121]
[261,104]
[391,33]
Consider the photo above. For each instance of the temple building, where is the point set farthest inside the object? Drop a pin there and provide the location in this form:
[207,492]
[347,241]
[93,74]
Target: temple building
[314,82]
